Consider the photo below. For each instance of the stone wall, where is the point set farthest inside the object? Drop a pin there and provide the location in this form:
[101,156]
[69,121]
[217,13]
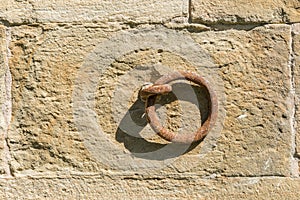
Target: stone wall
[72,125]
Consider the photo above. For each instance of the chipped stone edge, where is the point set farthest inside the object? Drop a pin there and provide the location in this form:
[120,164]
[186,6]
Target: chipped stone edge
[7,105]
[292,97]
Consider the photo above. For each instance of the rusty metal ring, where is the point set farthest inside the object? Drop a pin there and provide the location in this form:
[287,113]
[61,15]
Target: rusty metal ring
[154,120]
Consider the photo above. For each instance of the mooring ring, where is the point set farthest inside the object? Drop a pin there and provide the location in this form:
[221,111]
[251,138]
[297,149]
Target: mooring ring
[150,94]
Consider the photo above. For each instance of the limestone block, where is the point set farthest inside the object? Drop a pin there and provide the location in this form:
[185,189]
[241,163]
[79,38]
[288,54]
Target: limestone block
[256,136]
[2,97]
[131,187]
[254,118]
[296,51]
[4,105]
[43,63]
[16,11]
[125,11]
[244,11]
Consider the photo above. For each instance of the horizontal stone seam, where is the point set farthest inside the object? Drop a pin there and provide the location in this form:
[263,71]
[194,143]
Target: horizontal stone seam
[216,26]
[141,177]
[8,23]
[208,23]
[220,22]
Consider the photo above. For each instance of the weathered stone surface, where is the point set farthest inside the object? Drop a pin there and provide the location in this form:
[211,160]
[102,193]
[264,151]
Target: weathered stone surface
[133,187]
[2,97]
[257,131]
[15,11]
[252,64]
[4,104]
[124,11]
[42,91]
[55,49]
[44,61]
[244,11]
[296,63]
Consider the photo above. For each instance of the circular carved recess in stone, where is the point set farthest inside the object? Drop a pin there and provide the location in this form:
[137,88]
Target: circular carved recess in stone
[107,112]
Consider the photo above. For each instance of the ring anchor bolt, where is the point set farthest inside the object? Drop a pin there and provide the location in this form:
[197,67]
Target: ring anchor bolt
[149,89]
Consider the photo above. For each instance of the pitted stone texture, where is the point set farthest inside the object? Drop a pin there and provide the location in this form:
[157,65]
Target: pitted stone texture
[4,102]
[141,63]
[14,11]
[253,65]
[296,51]
[142,55]
[244,11]
[124,11]
[44,64]
[134,187]
[256,138]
